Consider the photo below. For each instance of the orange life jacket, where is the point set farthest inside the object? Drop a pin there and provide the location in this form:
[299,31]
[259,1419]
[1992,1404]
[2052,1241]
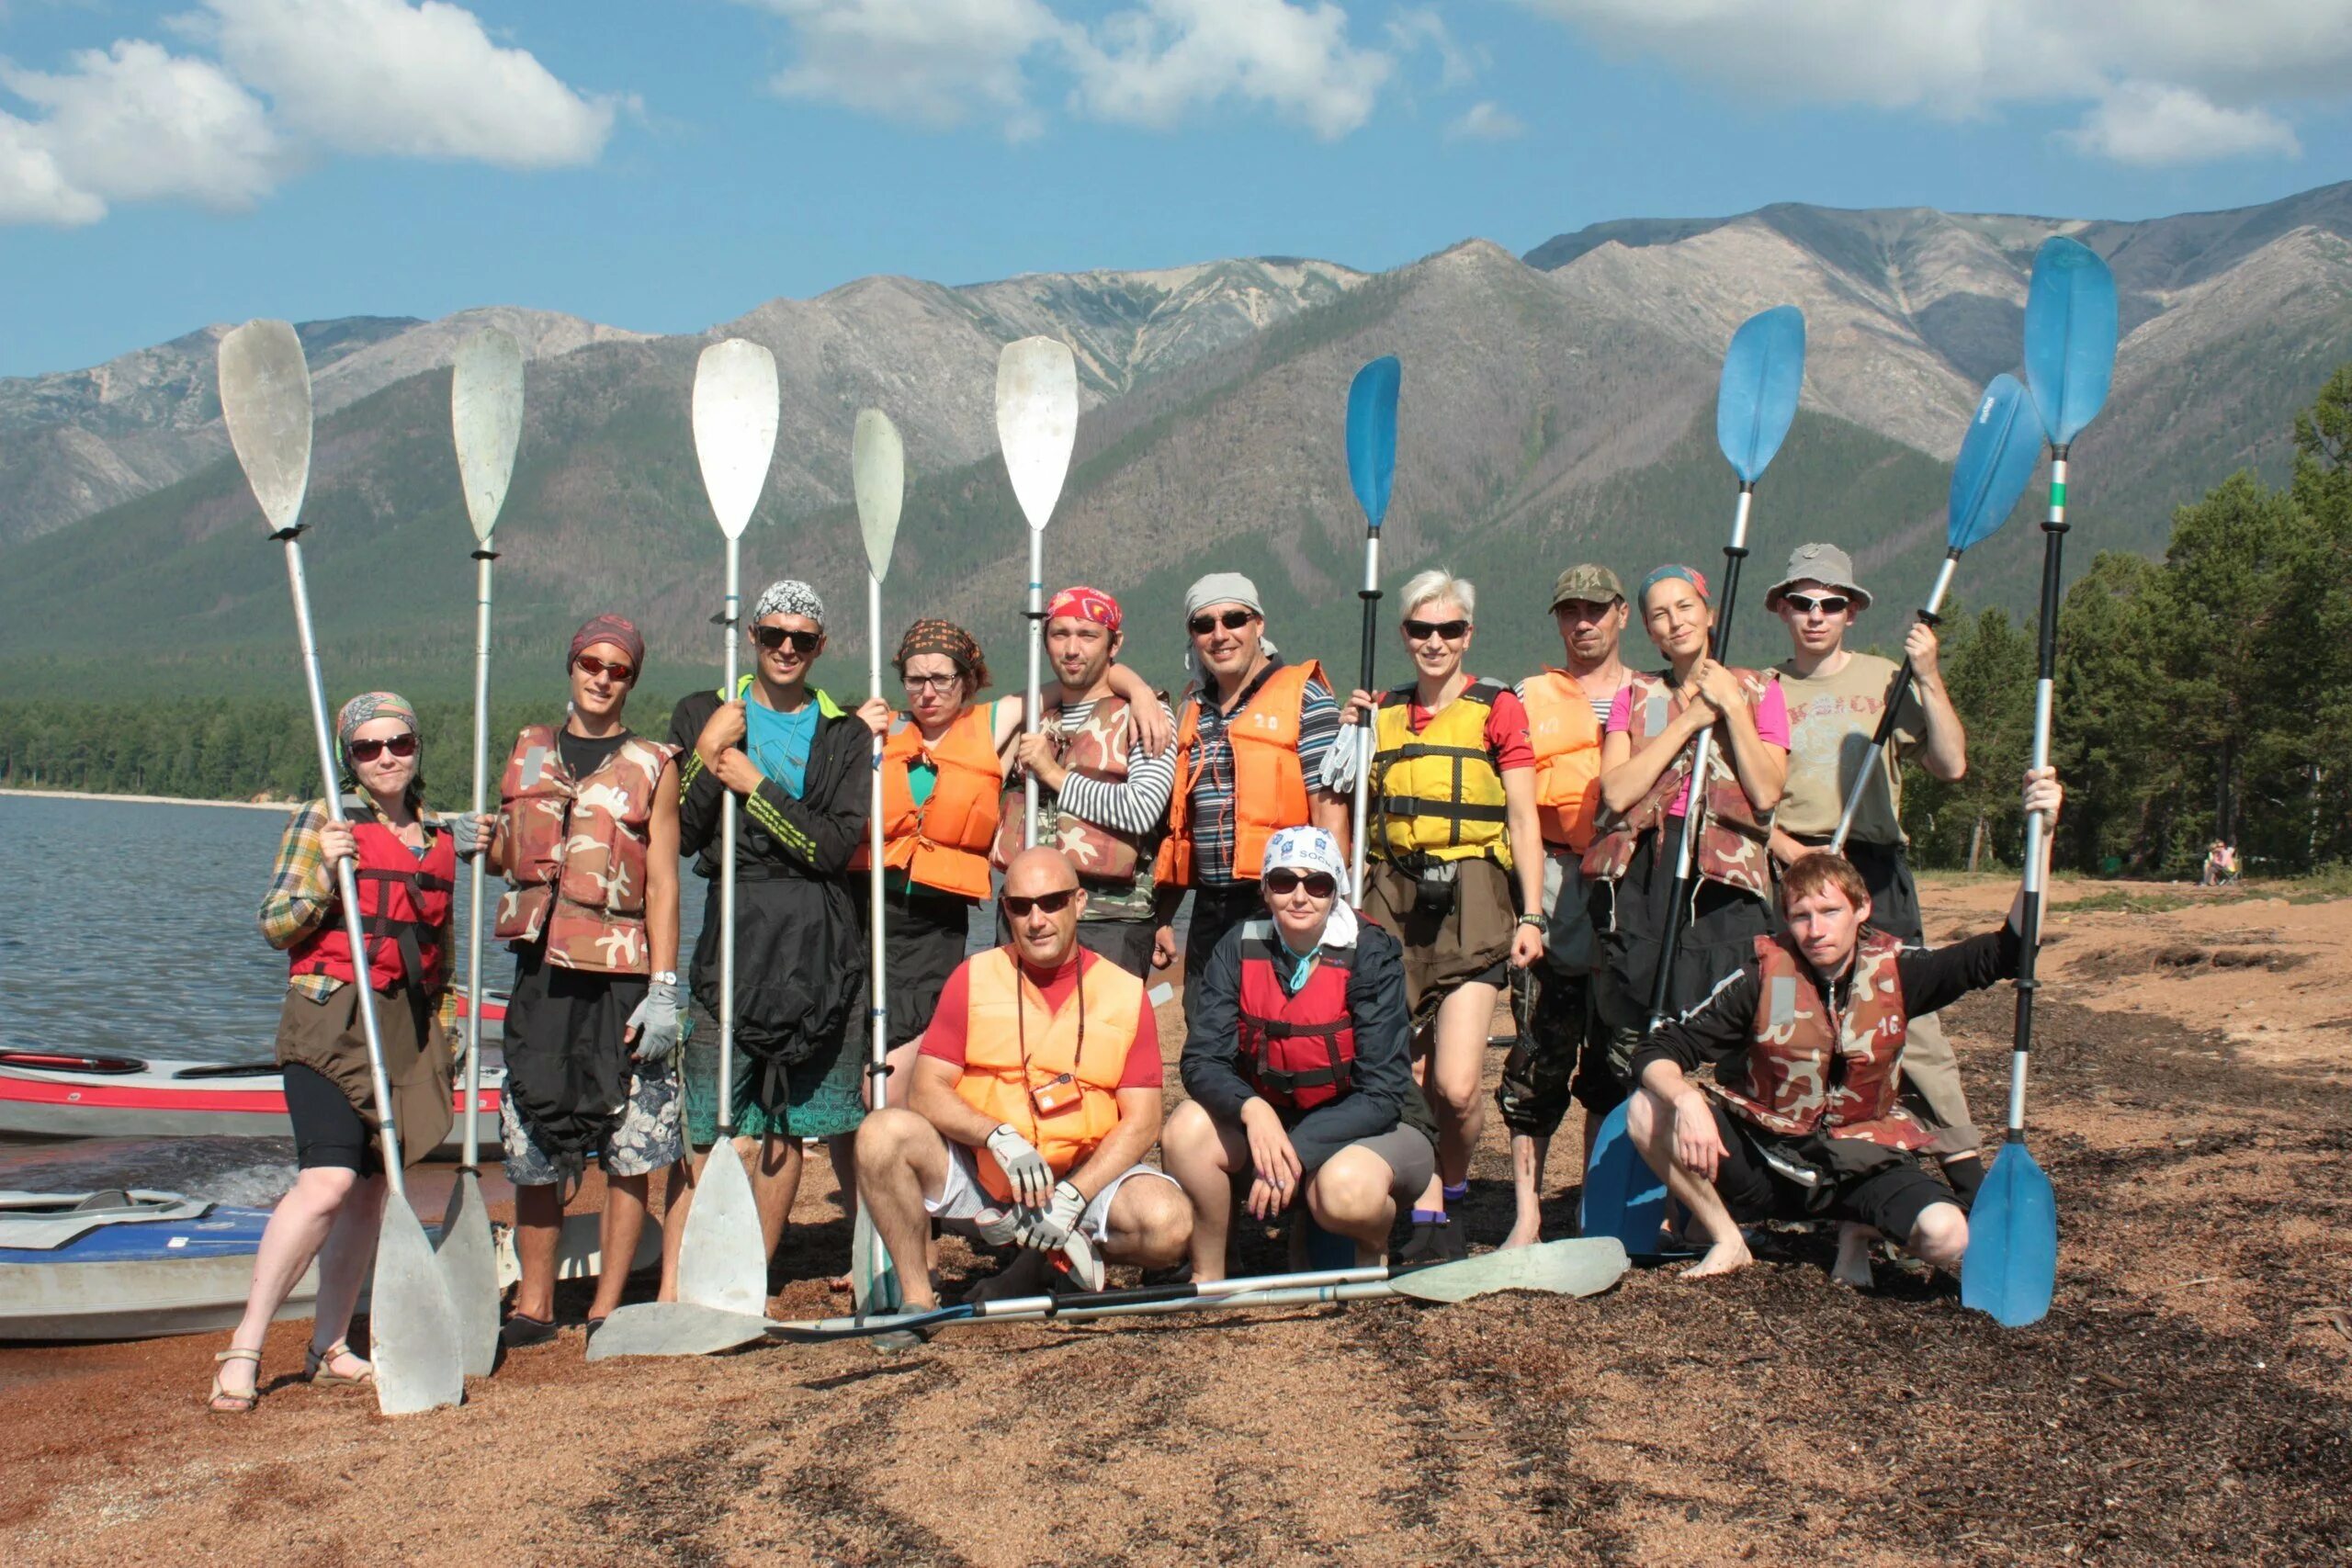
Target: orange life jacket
[1269,782]
[1809,1068]
[574,850]
[1566,740]
[1014,1046]
[942,843]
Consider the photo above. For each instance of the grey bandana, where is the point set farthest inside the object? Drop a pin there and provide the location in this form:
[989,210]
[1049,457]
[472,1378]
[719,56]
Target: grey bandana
[789,596]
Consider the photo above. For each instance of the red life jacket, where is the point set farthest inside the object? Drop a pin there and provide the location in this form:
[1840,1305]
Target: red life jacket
[403,905]
[1298,1052]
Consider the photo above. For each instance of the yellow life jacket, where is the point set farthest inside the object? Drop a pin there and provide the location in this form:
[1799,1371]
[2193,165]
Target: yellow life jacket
[1012,1045]
[1438,792]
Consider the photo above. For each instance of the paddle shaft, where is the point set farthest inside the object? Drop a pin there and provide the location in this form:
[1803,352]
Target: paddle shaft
[878,1066]
[1695,797]
[474,892]
[1930,616]
[1036,613]
[1370,594]
[2037,829]
[730,619]
[1092,1302]
[346,884]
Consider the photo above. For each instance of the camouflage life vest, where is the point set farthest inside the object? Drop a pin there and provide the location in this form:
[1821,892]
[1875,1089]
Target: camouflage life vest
[1732,841]
[1809,1068]
[1095,750]
[574,850]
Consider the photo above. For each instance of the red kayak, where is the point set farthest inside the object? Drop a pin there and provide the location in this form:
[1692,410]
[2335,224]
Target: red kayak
[90,1094]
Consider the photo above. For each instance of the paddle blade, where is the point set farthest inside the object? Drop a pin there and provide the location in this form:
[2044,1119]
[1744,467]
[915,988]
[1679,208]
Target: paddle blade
[1580,1268]
[1621,1197]
[469,1260]
[1372,434]
[1036,421]
[486,414]
[736,409]
[674,1329]
[411,1327]
[2070,331]
[1757,401]
[1997,458]
[723,1260]
[878,474]
[265,403]
[2011,1265]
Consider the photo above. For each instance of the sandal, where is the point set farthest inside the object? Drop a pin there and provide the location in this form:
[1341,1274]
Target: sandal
[221,1401]
[318,1366]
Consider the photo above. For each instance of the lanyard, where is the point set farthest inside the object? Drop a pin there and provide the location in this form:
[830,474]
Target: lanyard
[1021,1014]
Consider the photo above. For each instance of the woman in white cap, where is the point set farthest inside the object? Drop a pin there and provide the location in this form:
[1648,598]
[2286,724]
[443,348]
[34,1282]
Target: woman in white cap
[1298,1057]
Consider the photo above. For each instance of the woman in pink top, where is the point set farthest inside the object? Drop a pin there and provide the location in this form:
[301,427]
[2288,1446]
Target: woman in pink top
[1653,728]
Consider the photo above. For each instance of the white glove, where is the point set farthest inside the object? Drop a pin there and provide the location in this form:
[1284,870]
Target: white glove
[656,1018]
[1051,1231]
[1023,1167]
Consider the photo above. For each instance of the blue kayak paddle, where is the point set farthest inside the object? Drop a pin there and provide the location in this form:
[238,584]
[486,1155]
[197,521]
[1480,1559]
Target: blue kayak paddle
[1755,404]
[1997,458]
[1372,468]
[2011,1265]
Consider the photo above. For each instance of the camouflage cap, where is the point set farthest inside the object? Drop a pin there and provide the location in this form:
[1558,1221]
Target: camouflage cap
[1594,585]
[1824,564]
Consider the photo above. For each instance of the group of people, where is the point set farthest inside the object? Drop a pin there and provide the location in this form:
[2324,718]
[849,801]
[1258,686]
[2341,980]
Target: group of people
[1519,837]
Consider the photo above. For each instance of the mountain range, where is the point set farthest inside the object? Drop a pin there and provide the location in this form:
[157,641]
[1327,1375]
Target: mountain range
[1557,406]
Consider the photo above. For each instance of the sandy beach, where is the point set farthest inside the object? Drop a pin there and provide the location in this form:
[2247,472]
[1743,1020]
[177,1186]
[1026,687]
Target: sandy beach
[2188,1398]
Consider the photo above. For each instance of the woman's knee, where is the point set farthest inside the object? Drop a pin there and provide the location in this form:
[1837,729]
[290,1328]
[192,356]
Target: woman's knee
[1350,1188]
[1641,1116]
[326,1186]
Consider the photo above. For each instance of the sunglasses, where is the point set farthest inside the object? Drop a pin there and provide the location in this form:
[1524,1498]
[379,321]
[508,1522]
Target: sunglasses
[399,746]
[929,683]
[1232,620]
[774,637]
[1422,631]
[1319,884]
[1806,603]
[589,664]
[1053,903]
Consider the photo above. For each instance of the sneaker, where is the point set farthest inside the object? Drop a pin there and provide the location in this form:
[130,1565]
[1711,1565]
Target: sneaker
[1429,1241]
[519,1332]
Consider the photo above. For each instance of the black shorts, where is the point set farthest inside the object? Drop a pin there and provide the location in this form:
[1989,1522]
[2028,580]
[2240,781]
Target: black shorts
[1891,1198]
[329,1131]
[923,938]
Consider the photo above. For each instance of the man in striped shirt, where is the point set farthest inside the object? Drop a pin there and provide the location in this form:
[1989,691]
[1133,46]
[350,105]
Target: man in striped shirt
[1104,792]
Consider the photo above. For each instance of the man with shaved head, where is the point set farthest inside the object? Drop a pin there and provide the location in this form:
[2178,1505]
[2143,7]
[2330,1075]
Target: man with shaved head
[1035,1099]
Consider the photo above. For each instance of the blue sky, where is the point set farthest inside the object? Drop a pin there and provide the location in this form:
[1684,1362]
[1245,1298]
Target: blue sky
[667,167]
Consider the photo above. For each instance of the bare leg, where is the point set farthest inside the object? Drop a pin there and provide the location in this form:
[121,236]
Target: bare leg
[1458,1063]
[618,1234]
[1149,1224]
[1939,1238]
[1204,1158]
[775,1181]
[343,1262]
[902,1063]
[1351,1197]
[1652,1132]
[1854,1265]
[900,1158]
[297,1227]
[538,1231]
[675,1195]
[1528,1157]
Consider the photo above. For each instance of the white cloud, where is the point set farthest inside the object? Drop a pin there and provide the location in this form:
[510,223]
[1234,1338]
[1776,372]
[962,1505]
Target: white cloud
[946,62]
[1152,66]
[932,63]
[380,77]
[1957,59]
[2146,122]
[136,123]
[1458,63]
[1486,121]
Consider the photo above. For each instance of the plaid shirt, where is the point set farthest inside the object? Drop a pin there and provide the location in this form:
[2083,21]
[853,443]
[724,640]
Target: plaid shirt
[301,898]
[1211,795]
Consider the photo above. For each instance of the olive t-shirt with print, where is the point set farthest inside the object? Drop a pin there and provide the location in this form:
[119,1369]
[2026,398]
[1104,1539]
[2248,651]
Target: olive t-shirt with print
[1831,720]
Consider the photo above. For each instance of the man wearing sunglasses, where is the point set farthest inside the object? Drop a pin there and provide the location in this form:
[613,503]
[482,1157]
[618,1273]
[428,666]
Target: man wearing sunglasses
[587,835]
[1835,698]
[797,765]
[1035,1100]
[1251,746]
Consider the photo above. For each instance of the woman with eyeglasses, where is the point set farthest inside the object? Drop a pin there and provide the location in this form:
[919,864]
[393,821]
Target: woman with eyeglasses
[943,777]
[586,836]
[406,872]
[1298,1062]
[1454,869]
[1646,752]
[797,764]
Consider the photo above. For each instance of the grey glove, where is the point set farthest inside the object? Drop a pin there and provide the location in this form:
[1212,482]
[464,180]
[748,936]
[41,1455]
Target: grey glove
[657,1020]
[998,1227]
[468,830]
[1051,1230]
[1024,1168]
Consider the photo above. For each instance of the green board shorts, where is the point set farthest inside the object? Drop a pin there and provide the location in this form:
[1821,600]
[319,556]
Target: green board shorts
[824,1097]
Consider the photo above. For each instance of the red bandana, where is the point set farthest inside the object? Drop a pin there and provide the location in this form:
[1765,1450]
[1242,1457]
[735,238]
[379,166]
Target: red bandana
[1085,604]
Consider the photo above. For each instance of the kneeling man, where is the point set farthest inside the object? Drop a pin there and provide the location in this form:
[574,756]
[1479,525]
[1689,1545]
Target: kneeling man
[1035,1099]
[1803,1120]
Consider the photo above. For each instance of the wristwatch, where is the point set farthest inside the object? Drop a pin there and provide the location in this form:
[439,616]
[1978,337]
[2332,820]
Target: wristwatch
[664,976]
[1535,920]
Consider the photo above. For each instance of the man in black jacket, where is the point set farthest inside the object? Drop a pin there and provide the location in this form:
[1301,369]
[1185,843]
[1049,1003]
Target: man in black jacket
[1803,1118]
[798,766]
[1297,1056]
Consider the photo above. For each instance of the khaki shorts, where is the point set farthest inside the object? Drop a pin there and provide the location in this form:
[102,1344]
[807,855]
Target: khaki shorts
[1931,1078]
[1447,943]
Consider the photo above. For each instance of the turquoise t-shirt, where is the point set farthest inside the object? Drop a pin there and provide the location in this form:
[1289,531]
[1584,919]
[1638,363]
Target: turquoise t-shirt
[780,743]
